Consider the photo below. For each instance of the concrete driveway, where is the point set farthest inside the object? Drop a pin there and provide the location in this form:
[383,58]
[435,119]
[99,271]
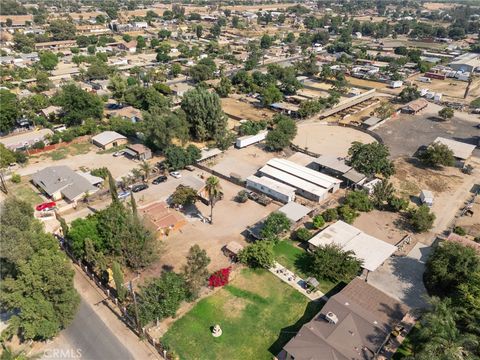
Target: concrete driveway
[402,277]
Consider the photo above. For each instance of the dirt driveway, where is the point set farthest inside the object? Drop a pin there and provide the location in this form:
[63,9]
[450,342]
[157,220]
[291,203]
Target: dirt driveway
[230,220]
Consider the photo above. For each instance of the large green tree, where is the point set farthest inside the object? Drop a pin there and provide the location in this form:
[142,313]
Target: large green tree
[161,127]
[195,270]
[331,263]
[9,110]
[449,266]
[438,154]
[371,159]
[204,114]
[48,60]
[421,218]
[62,30]
[37,280]
[161,297]
[259,254]
[79,105]
[284,132]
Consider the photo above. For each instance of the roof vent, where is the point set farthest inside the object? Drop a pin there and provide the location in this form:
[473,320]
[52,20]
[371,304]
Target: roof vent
[331,317]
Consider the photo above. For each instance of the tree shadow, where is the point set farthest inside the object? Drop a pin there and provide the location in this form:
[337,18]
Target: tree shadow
[402,223]
[303,262]
[288,332]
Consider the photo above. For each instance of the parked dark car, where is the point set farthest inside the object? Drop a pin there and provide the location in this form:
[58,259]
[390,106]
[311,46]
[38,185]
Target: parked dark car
[139,187]
[159,180]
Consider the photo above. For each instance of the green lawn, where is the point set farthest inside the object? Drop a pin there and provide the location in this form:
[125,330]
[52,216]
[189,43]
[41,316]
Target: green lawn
[293,258]
[257,312]
[25,191]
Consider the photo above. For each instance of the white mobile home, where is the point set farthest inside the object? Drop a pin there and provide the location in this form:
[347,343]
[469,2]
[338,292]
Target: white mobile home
[250,139]
[271,188]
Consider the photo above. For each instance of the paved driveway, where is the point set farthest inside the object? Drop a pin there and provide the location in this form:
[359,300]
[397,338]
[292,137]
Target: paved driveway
[402,277]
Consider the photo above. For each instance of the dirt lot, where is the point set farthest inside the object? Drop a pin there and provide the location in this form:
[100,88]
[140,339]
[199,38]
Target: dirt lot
[230,220]
[325,139]
[452,90]
[243,162]
[242,110]
[406,133]
[471,223]
[381,224]
[449,186]
[437,6]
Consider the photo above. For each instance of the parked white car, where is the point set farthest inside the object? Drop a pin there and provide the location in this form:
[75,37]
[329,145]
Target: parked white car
[176,174]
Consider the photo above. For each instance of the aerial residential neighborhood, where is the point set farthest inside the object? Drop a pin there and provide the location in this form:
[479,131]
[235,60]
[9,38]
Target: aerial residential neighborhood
[251,180]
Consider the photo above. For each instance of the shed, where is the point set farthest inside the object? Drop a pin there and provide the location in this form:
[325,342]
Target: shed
[426,197]
[109,139]
[372,120]
[415,106]
[295,212]
[138,151]
[209,153]
[232,249]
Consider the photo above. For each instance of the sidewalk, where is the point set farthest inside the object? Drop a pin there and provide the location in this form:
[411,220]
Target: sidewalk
[294,281]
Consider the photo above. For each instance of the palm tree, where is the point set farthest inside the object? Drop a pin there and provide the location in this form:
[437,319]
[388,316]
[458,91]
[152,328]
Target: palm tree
[439,337]
[146,168]
[136,174]
[214,190]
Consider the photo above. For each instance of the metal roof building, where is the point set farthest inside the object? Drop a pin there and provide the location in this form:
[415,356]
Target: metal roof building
[461,150]
[294,211]
[308,183]
[371,250]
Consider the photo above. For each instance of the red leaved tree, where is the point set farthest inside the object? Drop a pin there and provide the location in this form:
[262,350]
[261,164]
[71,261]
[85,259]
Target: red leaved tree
[219,278]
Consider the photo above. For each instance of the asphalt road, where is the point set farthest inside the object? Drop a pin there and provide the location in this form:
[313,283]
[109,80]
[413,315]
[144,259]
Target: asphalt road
[87,338]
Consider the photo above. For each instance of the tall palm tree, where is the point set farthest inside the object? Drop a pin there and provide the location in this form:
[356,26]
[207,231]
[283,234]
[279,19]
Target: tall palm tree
[146,168]
[214,190]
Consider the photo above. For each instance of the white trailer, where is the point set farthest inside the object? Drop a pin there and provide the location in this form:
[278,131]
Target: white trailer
[424,79]
[396,84]
[251,139]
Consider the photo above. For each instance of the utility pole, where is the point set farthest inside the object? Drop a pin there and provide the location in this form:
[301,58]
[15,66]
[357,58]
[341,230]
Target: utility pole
[135,306]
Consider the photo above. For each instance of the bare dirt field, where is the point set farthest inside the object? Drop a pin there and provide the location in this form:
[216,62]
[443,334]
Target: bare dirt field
[406,133]
[451,89]
[325,139]
[449,186]
[381,224]
[242,110]
[471,224]
[243,162]
[230,220]
[437,6]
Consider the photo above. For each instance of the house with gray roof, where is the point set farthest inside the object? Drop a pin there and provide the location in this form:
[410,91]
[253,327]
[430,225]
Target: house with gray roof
[61,182]
[354,324]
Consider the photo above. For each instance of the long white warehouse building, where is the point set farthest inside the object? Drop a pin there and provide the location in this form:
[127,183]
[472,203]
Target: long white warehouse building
[308,183]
